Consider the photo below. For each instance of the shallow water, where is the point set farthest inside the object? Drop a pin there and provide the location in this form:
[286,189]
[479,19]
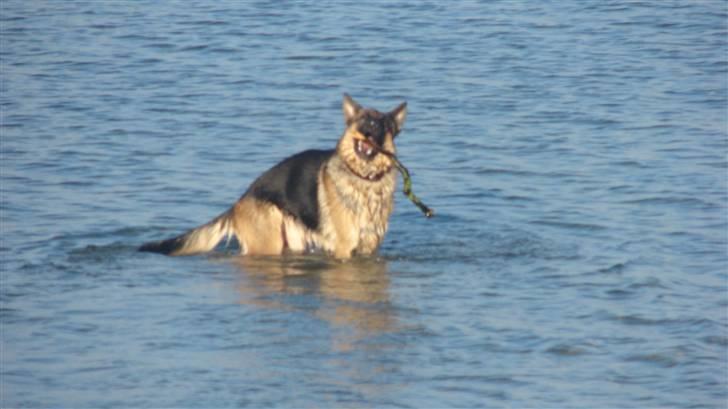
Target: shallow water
[574,153]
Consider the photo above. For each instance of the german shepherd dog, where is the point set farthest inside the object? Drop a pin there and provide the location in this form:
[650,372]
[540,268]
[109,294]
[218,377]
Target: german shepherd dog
[336,200]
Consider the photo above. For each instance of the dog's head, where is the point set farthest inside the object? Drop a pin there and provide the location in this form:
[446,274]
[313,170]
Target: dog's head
[367,129]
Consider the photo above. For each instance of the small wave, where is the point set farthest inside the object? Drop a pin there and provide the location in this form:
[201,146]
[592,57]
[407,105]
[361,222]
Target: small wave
[629,164]
[77,249]
[567,350]
[507,172]
[204,23]
[666,360]
[194,47]
[515,198]
[480,379]
[104,26]
[100,234]
[569,225]
[160,46]
[617,268]
[719,340]
[101,251]
[224,50]
[639,320]
[310,58]
[650,282]
[669,201]
[620,294]
[13,18]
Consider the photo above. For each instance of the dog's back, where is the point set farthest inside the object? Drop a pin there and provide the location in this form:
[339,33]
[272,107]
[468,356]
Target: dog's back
[289,188]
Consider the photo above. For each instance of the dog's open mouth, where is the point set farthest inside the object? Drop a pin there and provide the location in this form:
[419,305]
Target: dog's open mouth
[364,149]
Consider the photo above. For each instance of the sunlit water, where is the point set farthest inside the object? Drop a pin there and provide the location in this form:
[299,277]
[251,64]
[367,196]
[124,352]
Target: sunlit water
[574,153]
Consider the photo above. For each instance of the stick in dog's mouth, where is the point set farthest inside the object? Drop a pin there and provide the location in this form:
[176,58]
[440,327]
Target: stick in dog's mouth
[407,189]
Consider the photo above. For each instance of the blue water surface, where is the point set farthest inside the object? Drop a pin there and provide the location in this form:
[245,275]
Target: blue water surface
[575,154]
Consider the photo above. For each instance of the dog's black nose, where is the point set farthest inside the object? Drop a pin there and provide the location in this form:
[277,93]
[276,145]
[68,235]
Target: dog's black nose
[373,129]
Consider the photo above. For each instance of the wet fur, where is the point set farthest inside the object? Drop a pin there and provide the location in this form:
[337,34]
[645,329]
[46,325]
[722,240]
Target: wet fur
[336,200]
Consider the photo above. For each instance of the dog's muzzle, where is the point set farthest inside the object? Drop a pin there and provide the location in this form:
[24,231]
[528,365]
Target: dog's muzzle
[364,149]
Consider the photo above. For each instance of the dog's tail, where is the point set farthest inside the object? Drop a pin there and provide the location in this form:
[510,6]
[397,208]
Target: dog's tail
[198,240]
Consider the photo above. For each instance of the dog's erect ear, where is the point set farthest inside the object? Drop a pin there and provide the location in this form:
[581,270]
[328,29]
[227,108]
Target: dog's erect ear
[351,108]
[399,114]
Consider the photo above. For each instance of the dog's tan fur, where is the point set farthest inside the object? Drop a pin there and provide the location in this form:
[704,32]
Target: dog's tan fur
[355,198]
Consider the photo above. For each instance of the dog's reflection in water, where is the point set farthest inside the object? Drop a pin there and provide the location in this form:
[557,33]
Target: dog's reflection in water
[353,294]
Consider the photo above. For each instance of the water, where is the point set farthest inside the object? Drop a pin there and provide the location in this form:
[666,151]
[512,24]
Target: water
[574,153]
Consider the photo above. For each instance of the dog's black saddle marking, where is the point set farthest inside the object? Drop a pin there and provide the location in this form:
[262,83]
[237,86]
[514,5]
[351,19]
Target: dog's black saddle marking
[292,185]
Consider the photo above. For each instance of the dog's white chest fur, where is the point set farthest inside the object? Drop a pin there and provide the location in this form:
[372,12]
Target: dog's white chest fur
[355,212]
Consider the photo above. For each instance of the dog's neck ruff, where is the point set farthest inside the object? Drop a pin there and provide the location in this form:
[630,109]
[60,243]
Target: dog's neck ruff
[371,178]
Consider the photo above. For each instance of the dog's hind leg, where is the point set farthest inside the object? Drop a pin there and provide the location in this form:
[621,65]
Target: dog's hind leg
[259,227]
